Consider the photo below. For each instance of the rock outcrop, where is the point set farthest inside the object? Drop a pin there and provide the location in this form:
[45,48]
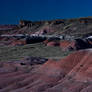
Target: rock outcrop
[83,43]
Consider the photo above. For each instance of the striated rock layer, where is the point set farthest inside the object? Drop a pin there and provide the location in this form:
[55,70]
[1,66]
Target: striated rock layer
[70,74]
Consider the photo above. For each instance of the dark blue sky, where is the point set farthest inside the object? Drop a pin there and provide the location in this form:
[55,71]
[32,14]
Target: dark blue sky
[11,11]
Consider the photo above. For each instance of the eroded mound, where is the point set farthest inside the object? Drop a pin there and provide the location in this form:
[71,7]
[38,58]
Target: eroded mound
[70,74]
[64,45]
[53,43]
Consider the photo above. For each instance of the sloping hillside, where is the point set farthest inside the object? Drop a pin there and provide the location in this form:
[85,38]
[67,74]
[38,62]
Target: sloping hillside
[76,27]
[71,74]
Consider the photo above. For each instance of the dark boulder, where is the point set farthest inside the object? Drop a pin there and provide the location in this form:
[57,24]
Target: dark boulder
[34,60]
[31,40]
[82,44]
[53,39]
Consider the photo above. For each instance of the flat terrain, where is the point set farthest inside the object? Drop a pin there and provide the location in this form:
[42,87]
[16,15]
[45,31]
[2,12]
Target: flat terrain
[8,53]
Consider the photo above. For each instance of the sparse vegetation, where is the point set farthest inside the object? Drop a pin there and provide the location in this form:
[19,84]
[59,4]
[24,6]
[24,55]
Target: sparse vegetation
[40,50]
[66,27]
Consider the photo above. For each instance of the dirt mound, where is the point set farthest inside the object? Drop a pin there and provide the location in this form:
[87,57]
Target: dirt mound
[45,42]
[70,74]
[18,42]
[53,43]
[65,44]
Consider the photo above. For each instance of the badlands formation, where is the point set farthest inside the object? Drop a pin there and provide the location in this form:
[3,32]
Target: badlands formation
[46,56]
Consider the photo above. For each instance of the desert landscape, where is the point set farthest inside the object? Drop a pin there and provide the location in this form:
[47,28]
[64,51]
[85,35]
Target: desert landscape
[46,56]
